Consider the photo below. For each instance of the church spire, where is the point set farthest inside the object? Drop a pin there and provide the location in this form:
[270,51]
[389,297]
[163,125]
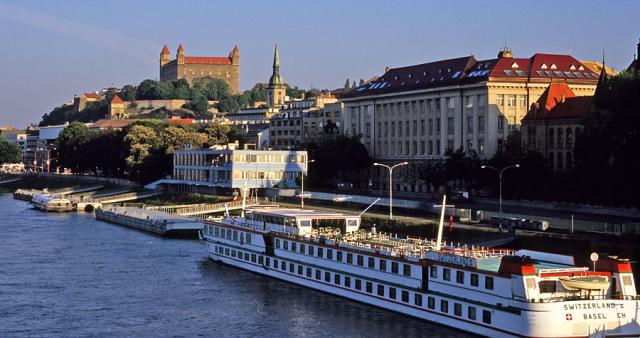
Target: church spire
[276,79]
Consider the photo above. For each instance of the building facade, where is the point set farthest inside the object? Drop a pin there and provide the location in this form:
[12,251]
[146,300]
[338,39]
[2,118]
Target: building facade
[239,168]
[192,67]
[117,109]
[417,113]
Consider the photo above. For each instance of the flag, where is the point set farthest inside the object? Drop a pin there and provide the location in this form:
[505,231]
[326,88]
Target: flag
[451,220]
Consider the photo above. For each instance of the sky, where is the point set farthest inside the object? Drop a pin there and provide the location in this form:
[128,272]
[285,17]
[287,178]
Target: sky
[53,50]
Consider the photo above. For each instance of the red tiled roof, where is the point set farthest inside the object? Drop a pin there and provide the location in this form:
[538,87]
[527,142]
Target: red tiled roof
[116,99]
[106,123]
[559,102]
[215,60]
[91,95]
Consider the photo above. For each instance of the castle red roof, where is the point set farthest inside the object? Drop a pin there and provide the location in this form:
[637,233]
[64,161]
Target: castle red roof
[215,60]
[91,96]
[165,49]
[107,123]
[116,99]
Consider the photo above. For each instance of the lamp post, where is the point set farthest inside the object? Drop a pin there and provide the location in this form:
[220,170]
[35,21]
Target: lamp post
[302,184]
[500,171]
[390,168]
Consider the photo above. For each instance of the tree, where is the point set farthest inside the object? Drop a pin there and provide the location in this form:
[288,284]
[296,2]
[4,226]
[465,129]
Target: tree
[336,157]
[181,89]
[217,133]
[213,88]
[228,104]
[145,90]
[140,141]
[198,103]
[128,93]
[71,150]
[57,116]
[9,152]
[164,90]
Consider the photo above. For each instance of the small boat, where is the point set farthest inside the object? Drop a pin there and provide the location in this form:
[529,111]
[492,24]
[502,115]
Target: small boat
[48,202]
[585,283]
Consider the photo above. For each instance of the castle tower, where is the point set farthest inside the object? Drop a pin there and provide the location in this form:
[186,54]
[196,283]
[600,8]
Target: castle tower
[235,56]
[276,91]
[165,56]
[180,55]
[116,108]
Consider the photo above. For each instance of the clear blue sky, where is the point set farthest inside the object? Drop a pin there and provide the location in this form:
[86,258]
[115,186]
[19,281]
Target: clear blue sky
[55,49]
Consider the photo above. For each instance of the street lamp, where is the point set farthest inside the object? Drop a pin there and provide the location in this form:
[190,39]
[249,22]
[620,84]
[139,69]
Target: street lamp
[302,184]
[390,168]
[500,171]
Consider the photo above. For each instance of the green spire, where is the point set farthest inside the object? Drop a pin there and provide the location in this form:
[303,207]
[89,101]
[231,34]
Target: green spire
[276,79]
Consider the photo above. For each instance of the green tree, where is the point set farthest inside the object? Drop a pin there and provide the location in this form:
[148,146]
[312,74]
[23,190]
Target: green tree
[9,152]
[145,90]
[57,116]
[228,104]
[181,89]
[213,88]
[140,142]
[128,93]
[163,90]
[217,133]
[199,103]
[335,158]
[71,147]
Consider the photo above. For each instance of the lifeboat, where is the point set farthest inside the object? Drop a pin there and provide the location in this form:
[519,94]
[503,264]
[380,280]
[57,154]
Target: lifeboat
[585,283]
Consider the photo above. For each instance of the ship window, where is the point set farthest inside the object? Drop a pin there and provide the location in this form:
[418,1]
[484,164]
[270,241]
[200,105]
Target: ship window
[405,296]
[339,256]
[235,235]
[446,274]
[320,252]
[383,265]
[233,253]
[547,286]
[444,306]
[358,284]
[327,277]
[371,263]
[302,248]
[277,243]
[392,293]
[260,260]
[369,287]
[329,254]
[349,258]
[275,263]
[293,247]
[246,256]
[488,283]
[318,274]
[247,238]
[380,290]
[283,265]
[309,272]
[267,261]
[291,267]
[474,279]
[347,281]
[471,313]
[300,270]
[216,232]
[253,258]
[486,317]
[336,279]
[360,260]
[406,270]
[417,299]
[457,309]
[394,267]
[310,250]
[226,251]
[431,303]
[285,245]
[460,277]
[433,271]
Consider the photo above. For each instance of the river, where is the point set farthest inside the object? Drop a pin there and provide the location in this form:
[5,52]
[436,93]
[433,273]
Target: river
[69,275]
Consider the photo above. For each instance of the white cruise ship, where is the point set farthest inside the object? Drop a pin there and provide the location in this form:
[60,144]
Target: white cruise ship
[494,293]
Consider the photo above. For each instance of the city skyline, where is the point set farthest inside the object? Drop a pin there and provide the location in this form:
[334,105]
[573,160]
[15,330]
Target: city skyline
[60,50]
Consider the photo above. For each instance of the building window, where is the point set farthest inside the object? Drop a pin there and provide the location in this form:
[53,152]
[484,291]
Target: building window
[320,253]
[511,101]
[474,279]
[394,267]
[392,293]
[285,245]
[339,256]
[469,124]
[383,265]
[349,258]
[450,125]
[369,287]
[406,270]
[431,303]
[417,300]
[380,290]
[486,317]
[347,281]
[481,124]
[327,276]
[308,272]
[302,248]
[457,309]
[329,254]
[522,101]
[318,274]
[500,100]
[371,263]
[446,274]
[471,312]
[358,284]
[360,260]
[451,103]
[488,283]
[300,269]
[311,250]
[444,306]
[460,277]
[336,279]
[405,296]
[433,271]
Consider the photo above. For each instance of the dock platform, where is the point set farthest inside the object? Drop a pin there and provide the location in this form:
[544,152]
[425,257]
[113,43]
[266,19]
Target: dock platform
[150,220]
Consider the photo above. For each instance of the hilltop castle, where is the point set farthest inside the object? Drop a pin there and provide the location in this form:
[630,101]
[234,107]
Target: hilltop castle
[192,67]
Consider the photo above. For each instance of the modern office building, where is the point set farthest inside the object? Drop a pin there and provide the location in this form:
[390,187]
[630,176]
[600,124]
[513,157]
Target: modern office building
[228,167]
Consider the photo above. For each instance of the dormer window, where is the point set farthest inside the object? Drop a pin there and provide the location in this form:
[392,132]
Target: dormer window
[553,66]
[572,67]
[515,65]
[544,66]
[580,68]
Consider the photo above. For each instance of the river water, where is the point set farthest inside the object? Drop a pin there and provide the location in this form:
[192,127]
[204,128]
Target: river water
[69,275]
